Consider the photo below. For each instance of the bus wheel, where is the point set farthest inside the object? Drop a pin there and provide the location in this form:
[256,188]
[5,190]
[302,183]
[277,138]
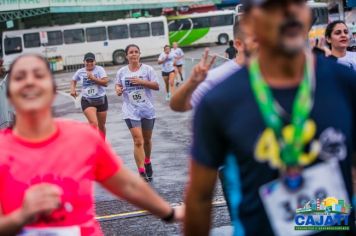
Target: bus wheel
[223,39]
[119,57]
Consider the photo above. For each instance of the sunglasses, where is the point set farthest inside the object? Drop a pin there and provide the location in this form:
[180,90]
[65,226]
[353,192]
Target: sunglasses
[89,60]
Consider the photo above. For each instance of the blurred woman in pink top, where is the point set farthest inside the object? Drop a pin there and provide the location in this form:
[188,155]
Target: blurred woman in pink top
[46,177]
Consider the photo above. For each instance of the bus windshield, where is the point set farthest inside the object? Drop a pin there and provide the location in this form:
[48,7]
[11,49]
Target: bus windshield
[13,45]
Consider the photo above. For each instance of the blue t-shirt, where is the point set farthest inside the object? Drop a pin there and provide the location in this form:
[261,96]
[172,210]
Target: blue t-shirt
[229,125]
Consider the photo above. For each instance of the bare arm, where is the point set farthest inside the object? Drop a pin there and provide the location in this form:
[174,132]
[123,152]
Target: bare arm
[181,98]
[179,57]
[132,188]
[145,83]
[119,89]
[103,81]
[198,200]
[39,199]
[161,61]
[11,224]
[73,87]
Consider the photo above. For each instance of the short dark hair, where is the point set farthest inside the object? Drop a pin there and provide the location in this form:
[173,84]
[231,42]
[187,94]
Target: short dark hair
[329,29]
[165,46]
[43,59]
[129,46]
[237,30]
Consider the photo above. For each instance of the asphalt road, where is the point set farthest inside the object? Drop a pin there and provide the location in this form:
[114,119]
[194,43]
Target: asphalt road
[170,156]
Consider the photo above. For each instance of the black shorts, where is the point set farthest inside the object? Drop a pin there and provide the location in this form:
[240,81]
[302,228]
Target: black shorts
[178,66]
[165,74]
[99,108]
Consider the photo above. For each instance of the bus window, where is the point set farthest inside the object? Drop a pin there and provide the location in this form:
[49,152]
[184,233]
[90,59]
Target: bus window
[139,30]
[157,28]
[173,26]
[221,20]
[183,24]
[324,16]
[74,36]
[201,22]
[13,45]
[54,38]
[96,34]
[32,40]
[118,32]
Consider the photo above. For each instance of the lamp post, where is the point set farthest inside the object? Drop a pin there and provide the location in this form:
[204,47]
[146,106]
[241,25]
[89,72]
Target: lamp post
[341,9]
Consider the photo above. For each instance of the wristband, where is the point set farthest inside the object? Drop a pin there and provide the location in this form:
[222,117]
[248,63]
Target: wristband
[170,217]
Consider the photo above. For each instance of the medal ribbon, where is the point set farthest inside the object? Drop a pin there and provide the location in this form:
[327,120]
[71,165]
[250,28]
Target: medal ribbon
[302,105]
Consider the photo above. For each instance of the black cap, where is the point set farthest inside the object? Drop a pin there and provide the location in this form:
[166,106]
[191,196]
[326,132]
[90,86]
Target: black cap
[89,56]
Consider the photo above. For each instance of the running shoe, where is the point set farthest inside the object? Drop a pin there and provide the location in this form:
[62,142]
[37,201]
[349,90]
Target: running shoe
[144,176]
[149,171]
[168,97]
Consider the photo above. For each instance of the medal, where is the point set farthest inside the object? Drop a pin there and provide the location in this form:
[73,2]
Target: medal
[292,178]
[291,149]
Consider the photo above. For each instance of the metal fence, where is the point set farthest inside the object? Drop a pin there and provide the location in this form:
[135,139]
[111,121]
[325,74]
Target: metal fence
[75,62]
[189,63]
[6,112]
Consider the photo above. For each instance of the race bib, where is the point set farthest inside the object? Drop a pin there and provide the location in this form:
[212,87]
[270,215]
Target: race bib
[320,181]
[91,90]
[137,97]
[51,231]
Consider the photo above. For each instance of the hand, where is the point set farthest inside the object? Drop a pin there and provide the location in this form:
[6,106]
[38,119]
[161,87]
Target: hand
[200,70]
[119,89]
[137,81]
[320,43]
[90,76]
[73,93]
[327,51]
[312,42]
[179,213]
[40,199]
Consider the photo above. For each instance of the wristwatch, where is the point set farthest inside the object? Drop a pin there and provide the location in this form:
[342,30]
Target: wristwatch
[170,217]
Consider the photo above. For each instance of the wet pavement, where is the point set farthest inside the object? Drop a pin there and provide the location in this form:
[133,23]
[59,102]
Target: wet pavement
[171,141]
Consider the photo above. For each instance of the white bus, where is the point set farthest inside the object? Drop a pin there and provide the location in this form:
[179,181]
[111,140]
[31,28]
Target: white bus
[106,39]
[320,16]
[199,28]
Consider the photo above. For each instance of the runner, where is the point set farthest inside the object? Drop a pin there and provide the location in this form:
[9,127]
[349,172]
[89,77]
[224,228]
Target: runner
[179,60]
[202,79]
[94,101]
[135,82]
[48,167]
[239,124]
[338,39]
[166,59]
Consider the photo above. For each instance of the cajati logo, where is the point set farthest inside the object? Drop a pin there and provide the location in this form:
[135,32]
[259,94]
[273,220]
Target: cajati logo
[326,214]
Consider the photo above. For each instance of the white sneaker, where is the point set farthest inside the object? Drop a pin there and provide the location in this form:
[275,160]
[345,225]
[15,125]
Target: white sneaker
[168,97]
